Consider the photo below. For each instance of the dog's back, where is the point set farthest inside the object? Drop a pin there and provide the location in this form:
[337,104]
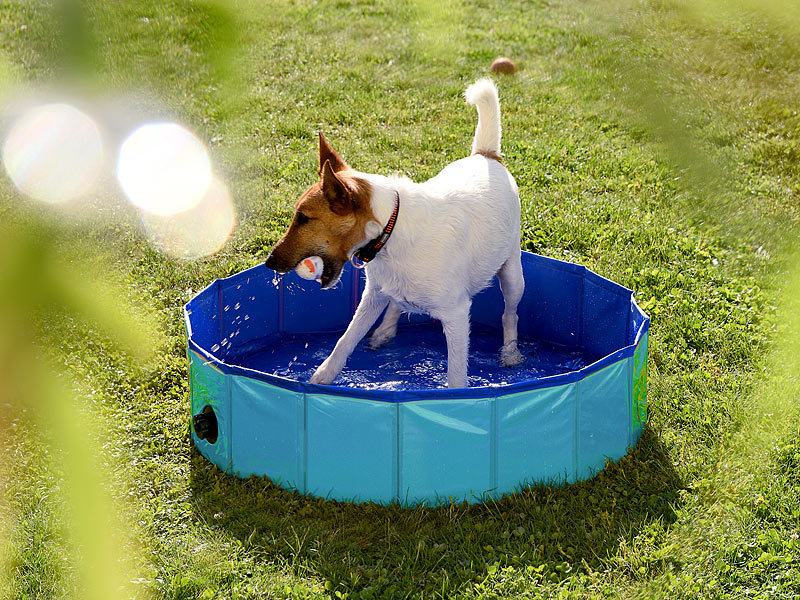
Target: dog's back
[462,224]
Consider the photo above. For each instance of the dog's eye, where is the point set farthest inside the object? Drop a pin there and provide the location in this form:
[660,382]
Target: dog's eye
[301,218]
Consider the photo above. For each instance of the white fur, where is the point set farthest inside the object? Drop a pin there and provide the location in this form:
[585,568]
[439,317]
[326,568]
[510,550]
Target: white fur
[453,234]
[483,94]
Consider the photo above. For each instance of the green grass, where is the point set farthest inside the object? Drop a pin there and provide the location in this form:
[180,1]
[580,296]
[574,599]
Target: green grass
[655,144]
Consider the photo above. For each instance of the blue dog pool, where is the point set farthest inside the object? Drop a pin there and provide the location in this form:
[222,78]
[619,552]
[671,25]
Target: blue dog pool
[388,430]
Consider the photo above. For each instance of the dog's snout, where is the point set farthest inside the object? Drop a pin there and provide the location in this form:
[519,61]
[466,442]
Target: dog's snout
[280,261]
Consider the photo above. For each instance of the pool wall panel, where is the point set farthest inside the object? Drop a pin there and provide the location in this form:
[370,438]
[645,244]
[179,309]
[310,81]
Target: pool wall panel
[209,387]
[605,316]
[551,303]
[307,309]
[638,394]
[488,306]
[603,418]
[270,431]
[448,441]
[353,454]
[245,302]
[535,434]
[202,317]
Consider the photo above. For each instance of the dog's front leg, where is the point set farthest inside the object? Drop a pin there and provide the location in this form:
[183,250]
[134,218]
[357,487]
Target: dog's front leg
[455,322]
[369,309]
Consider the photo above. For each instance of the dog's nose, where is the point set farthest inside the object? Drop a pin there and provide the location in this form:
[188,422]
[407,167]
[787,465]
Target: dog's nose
[271,262]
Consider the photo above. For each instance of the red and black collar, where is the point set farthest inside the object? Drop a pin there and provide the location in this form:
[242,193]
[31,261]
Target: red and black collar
[367,252]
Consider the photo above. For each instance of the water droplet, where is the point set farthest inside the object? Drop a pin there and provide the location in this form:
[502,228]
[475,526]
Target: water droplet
[227,306]
[215,347]
[247,317]
[236,307]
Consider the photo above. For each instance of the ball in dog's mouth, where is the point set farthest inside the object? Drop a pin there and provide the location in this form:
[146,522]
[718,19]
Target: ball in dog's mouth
[309,268]
[331,272]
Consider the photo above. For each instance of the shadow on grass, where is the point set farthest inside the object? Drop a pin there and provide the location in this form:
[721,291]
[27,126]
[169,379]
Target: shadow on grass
[388,550]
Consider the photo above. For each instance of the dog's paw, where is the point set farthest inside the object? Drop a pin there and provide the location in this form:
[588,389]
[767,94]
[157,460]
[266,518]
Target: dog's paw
[324,375]
[379,338]
[510,356]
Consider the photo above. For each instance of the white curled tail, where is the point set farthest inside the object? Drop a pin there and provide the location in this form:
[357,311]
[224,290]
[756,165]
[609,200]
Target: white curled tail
[483,94]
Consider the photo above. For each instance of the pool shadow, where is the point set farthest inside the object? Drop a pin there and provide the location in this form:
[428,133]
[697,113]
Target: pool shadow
[397,551]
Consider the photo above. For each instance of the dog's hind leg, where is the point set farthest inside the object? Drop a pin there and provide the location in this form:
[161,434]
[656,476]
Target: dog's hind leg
[388,327]
[512,284]
[369,309]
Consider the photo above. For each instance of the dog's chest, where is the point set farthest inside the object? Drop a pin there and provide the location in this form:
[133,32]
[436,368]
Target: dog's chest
[410,296]
[409,300]
[410,307]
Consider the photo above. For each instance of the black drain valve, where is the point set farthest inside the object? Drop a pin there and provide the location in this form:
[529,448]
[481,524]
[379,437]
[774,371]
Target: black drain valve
[205,425]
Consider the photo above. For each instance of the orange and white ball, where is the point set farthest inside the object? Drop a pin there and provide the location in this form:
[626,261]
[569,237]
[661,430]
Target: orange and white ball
[310,268]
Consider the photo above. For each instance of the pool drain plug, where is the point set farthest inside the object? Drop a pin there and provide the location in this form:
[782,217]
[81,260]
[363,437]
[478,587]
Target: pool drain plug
[205,425]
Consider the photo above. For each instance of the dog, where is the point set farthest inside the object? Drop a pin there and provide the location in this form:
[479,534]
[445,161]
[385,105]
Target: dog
[429,247]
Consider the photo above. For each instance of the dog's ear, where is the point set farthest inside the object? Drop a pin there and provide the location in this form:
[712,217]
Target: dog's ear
[339,197]
[326,153]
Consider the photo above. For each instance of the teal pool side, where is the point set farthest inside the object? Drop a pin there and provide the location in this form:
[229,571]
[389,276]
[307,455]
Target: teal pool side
[426,446]
[422,451]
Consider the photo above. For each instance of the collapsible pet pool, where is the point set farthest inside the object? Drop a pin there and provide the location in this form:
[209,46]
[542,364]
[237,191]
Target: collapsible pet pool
[388,430]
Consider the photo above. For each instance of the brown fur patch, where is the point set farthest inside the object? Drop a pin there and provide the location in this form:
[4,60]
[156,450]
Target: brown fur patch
[326,233]
[491,154]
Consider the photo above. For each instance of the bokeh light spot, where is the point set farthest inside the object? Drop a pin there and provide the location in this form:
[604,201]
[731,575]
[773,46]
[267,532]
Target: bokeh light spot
[53,153]
[163,168]
[197,232]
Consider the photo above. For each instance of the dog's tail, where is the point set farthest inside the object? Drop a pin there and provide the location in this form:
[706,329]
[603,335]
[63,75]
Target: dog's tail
[483,94]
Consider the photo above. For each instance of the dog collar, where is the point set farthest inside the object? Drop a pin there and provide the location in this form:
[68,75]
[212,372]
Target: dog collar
[367,252]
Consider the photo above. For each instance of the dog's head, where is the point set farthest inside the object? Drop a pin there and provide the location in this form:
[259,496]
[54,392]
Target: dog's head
[331,219]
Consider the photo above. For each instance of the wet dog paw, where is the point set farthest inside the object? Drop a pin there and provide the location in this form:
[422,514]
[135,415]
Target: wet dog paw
[379,338]
[323,376]
[510,356]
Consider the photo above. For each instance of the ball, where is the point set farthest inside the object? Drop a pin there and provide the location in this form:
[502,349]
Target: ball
[310,268]
[503,65]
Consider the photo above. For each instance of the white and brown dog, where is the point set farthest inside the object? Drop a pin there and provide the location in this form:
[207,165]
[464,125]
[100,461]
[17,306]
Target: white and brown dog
[449,237]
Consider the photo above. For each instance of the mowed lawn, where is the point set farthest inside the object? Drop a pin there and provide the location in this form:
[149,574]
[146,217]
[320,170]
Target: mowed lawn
[656,143]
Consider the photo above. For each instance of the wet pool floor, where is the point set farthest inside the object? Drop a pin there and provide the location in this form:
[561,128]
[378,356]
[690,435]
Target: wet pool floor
[415,359]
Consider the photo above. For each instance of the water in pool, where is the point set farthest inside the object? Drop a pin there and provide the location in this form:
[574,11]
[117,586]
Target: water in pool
[415,359]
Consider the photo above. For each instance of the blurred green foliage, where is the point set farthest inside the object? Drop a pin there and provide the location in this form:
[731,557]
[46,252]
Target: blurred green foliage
[41,283]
